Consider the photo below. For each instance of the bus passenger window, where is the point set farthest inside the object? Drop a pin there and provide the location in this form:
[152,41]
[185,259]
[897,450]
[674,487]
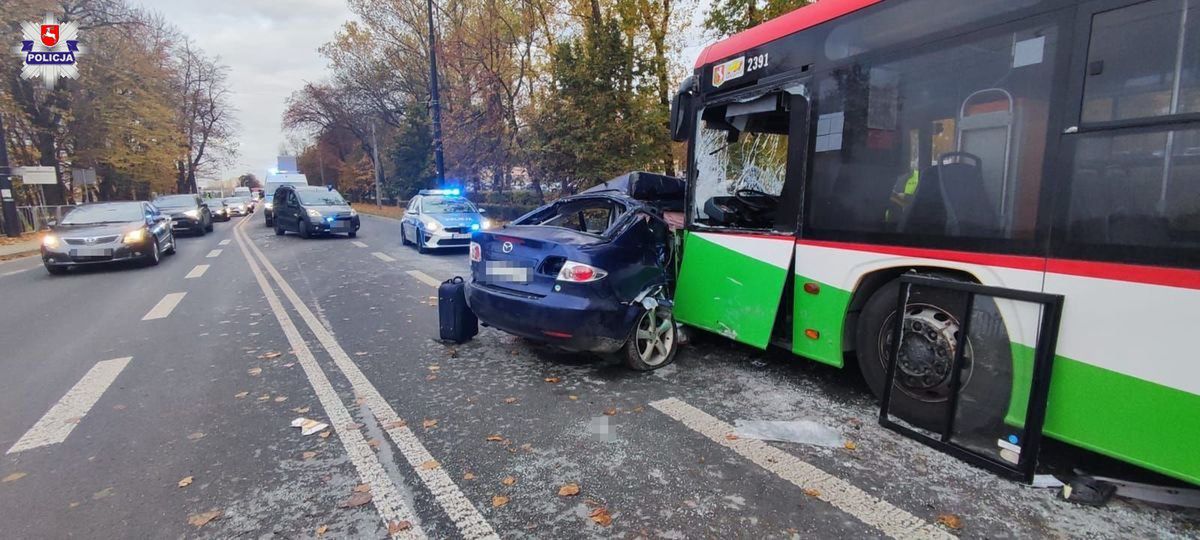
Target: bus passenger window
[741,163]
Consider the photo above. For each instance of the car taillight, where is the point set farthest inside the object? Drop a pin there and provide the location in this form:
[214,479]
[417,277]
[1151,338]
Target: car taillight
[476,252]
[580,273]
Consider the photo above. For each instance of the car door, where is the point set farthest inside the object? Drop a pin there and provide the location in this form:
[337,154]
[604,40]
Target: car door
[153,223]
[288,212]
[412,219]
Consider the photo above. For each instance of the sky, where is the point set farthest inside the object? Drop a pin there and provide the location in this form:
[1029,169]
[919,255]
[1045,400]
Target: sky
[271,47]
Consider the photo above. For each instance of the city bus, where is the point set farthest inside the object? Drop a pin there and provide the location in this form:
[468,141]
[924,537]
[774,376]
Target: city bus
[1050,146]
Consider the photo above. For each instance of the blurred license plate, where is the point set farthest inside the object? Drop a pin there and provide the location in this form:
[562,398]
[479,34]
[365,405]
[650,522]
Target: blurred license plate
[92,252]
[506,272]
[341,224]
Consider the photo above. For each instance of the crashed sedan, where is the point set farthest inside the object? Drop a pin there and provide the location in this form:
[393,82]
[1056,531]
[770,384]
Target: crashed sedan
[589,272]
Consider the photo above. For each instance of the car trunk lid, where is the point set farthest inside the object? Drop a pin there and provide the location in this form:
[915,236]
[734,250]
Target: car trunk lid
[526,259]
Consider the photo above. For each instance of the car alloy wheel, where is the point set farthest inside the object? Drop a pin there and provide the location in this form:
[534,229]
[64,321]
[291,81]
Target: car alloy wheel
[653,344]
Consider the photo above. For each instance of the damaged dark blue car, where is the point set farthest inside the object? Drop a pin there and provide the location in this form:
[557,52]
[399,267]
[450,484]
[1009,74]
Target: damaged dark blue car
[589,272]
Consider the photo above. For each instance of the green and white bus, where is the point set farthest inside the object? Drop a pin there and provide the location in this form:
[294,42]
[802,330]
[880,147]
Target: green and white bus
[1038,145]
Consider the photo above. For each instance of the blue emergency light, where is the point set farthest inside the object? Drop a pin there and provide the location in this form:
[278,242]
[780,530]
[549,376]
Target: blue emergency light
[451,191]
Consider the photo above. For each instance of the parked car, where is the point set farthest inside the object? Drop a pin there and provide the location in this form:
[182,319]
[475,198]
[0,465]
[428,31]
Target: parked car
[238,206]
[440,218]
[268,207]
[310,210]
[188,212]
[590,272]
[218,209]
[107,232]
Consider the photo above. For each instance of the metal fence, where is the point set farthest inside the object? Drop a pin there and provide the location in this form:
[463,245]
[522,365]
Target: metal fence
[36,218]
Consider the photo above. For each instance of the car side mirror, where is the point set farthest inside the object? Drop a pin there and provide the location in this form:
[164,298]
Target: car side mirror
[682,112]
[52,223]
[483,210]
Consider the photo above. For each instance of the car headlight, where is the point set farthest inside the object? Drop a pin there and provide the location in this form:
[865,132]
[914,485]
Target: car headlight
[485,224]
[50,241]
[193,213]
[313,213]
[353,212]
[135,236]
[432,226]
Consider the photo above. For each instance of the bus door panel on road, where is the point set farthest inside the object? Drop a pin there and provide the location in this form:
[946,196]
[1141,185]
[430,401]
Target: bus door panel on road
[745,203]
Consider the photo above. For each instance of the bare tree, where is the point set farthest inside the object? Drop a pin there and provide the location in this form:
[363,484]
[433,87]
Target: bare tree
[206,115]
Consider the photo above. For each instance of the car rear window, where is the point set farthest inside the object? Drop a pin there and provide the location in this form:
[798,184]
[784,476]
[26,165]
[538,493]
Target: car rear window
[593,216]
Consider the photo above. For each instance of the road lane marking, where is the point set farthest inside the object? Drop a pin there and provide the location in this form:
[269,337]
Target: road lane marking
[383,257]
[196,272]
[867,508]
[163,308]
[385,496]
[224,242]
[213,254]
[63,416]
[14,272]
[424,278]
[470,522]
[359,244]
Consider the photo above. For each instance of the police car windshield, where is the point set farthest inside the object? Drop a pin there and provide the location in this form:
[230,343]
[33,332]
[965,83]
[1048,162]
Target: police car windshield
[446,205]
[319,197]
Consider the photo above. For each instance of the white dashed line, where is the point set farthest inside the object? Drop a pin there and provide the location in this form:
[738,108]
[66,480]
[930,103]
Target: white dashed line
[14,272]
[224,242]
[213,254]
[424,278]
[163,308]
[469,521]
[383,257]
[359,244]
[385,496]
[58,422]
[867,508]
[196,272]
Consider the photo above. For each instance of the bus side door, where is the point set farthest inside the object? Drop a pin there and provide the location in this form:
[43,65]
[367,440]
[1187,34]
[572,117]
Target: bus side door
[744,204]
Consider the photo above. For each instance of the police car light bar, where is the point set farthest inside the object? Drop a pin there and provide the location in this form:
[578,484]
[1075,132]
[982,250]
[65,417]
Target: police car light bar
[452,191]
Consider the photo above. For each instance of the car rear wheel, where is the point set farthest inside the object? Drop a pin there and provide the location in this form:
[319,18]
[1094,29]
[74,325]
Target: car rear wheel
[653,343]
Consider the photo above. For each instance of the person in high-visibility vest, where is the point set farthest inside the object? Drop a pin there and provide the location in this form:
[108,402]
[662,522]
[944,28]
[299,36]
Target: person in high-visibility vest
[902,195]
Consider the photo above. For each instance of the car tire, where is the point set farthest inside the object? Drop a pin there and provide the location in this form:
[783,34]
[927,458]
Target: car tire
[209,227]
[270,222]
[304,232]
[171,248]
[155,255]
[352,234]
[988,378]
[404,236]
[55,270]
[421,242]
[653,342]
[279,230]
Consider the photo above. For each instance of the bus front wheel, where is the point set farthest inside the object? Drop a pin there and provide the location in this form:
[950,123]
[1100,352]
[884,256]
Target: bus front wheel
[930,339]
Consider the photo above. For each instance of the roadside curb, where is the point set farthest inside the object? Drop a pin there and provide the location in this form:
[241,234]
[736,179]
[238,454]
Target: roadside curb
[19,255]
[377,216]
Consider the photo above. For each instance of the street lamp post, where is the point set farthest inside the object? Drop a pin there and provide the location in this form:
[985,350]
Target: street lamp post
[434,106]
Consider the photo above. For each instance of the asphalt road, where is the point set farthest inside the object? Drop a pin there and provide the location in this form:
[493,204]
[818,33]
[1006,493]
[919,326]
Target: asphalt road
[144,403]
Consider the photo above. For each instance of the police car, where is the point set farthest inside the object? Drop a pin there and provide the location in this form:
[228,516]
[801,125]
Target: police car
[440,218]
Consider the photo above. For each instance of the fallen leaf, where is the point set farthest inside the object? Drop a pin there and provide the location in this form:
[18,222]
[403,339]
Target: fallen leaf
[431,377]
[360,353]
[354,425]
[509,480]
[270,355]
[731,436]
[435,367]
[307,455]
[196,436]
[495,438]
[289,364]
[850,445]
[359,401]
[601,516]
[73,420]
[395,527]
[73,504]
[280,399]
[499,500]
[13,477]
[453,353]
[118,407]
[264,397]
[254,372]
[611,411]
[428,423]
[358,499]
[950,521]
[362,488]
[373,443]
[201,519]
[106,492]
[569,490]
[430,465]
[469,476]
[241,395]
[321,530]
[186,481]
[638,409]
[812,492]
[551,380]
[573,398]
[324,434]
[302,410]
[527,447]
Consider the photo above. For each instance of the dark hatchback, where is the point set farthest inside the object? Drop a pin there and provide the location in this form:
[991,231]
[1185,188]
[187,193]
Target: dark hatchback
[188,213]
[105,233]
[311,210]
[591,272]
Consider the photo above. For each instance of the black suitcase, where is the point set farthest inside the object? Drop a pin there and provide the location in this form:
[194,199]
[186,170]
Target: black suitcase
[456,321]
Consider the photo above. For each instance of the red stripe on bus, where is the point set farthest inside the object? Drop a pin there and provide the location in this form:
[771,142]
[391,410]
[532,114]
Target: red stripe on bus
[1151,275]
[786,24]
[786,237]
